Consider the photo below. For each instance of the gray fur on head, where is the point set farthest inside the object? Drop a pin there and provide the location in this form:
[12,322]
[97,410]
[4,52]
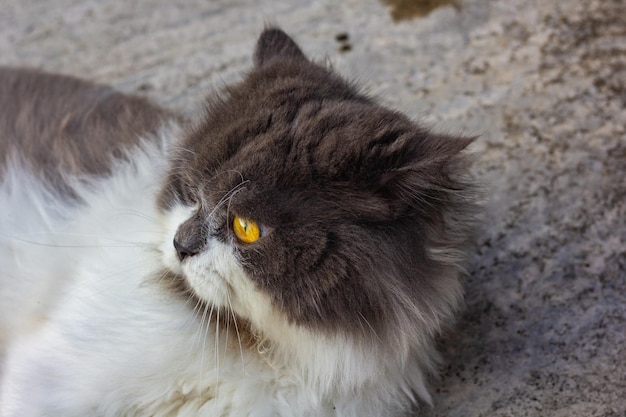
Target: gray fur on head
[368,211]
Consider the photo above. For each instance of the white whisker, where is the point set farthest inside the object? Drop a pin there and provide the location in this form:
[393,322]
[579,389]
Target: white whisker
[373,332]
[232,313]
[204,338]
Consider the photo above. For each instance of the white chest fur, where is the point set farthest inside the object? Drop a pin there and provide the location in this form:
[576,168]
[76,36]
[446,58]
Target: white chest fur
[87,328]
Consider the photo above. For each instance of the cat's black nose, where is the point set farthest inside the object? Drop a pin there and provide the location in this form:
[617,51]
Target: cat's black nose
[190,238]
[183,251]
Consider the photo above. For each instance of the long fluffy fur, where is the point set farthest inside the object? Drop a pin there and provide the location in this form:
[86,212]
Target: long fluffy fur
[99,317]
[99,335]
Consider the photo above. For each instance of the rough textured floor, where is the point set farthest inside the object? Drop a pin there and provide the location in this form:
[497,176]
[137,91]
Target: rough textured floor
[542,83]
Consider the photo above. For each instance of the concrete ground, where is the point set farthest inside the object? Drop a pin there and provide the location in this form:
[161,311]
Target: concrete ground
[542,83]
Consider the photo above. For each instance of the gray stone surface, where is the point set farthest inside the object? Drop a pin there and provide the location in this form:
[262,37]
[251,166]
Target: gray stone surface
[542,83]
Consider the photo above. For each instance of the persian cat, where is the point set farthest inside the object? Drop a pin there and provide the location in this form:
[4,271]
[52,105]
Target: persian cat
[293,253]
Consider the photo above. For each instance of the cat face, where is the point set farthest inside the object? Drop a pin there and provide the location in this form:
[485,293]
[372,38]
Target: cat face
[297,193]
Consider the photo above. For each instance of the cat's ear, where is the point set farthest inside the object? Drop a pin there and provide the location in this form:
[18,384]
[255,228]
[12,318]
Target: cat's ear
[430,178]
[274,43]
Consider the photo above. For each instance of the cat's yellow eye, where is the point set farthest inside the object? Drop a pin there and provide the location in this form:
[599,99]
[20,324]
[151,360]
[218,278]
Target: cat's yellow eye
[246,230]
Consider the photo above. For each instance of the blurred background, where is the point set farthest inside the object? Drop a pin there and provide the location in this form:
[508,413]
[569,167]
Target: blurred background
[543,332]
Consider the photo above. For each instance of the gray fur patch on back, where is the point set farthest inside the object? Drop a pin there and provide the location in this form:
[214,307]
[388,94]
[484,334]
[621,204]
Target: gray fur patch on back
[60,126]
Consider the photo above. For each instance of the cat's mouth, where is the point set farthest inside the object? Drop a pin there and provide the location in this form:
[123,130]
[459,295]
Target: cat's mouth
[223,316]
[183,286]
[178,284]
[201,278]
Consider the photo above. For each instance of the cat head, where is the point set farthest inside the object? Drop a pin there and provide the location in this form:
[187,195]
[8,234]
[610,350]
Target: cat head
[300,200]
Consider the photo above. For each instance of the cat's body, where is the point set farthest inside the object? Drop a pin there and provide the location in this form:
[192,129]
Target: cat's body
[329,310]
